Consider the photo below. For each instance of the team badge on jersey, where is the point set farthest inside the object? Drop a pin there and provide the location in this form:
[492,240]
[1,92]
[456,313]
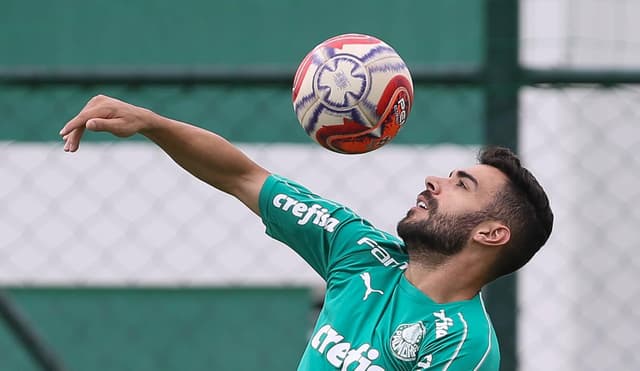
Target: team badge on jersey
[405,341]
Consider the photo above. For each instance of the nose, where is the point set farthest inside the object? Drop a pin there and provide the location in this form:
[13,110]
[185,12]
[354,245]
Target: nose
[433,184]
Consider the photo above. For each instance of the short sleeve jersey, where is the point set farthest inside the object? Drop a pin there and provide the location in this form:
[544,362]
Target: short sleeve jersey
[373,318]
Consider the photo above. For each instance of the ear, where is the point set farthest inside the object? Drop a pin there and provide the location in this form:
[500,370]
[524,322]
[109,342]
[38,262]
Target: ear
[492,233]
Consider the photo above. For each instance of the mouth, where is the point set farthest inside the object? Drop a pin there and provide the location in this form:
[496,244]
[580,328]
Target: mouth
[422,202]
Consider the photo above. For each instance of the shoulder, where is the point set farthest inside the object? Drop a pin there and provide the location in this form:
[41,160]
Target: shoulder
[332,238]
[285,198]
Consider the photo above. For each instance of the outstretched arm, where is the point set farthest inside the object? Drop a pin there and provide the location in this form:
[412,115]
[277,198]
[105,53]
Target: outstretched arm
[202,153]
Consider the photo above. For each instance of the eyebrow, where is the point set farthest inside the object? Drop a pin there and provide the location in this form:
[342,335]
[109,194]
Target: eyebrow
[464,174]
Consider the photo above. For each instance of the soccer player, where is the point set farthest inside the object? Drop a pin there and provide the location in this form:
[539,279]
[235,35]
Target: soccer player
[408,303]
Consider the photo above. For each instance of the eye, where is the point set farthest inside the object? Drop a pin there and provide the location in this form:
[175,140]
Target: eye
[461,184]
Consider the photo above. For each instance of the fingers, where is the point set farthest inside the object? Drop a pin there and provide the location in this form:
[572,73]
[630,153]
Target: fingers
[72,132]
[81,119]
[98,106]
[72,140]
[101,113]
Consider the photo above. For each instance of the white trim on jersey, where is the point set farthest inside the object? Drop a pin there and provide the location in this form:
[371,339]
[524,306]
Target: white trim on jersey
[464,338]
[486,353]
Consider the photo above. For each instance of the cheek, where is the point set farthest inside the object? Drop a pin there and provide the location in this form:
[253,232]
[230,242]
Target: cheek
[459,204]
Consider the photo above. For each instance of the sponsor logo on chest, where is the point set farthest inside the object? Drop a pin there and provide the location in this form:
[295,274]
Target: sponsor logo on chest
[340,353]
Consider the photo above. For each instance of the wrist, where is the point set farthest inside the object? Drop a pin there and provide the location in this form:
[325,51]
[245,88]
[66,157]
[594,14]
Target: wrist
[149,121]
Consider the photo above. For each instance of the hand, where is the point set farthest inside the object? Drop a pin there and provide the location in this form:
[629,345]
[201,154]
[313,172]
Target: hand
[108,114]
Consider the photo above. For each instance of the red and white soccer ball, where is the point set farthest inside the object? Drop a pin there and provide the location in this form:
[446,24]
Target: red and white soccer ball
[352,93]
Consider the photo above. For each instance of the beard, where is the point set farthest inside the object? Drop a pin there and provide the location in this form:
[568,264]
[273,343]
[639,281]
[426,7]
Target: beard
[441,234]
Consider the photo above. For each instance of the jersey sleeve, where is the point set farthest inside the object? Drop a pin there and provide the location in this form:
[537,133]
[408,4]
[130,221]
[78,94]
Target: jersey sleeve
[327,235]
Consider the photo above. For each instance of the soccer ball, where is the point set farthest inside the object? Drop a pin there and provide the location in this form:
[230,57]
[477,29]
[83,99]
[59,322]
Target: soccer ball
[352,93]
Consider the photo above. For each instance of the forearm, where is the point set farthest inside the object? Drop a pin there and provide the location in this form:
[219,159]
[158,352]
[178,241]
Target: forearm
[208,157]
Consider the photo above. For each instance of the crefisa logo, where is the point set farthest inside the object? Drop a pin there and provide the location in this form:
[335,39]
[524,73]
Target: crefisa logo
[405,341]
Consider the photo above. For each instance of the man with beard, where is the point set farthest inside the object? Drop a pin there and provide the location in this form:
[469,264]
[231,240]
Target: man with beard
[391,304]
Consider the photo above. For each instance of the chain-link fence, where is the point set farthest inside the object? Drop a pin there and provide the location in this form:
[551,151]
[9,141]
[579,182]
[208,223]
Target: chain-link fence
[579,298]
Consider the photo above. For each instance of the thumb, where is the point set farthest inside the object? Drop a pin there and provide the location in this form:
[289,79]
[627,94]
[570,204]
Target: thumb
[99,124]
[115,126]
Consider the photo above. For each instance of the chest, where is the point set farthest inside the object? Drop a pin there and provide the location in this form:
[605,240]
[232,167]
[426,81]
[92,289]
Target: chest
[367,324]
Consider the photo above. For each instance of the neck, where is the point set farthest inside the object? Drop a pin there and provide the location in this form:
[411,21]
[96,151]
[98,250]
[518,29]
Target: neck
[446,281]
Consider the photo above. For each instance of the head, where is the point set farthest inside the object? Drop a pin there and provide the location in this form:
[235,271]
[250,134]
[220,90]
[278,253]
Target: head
[496,204]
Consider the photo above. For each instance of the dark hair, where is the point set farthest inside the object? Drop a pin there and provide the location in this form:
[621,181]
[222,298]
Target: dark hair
[523,205]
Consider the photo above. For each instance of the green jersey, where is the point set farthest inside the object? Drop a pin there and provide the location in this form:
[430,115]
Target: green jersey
[373,318]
